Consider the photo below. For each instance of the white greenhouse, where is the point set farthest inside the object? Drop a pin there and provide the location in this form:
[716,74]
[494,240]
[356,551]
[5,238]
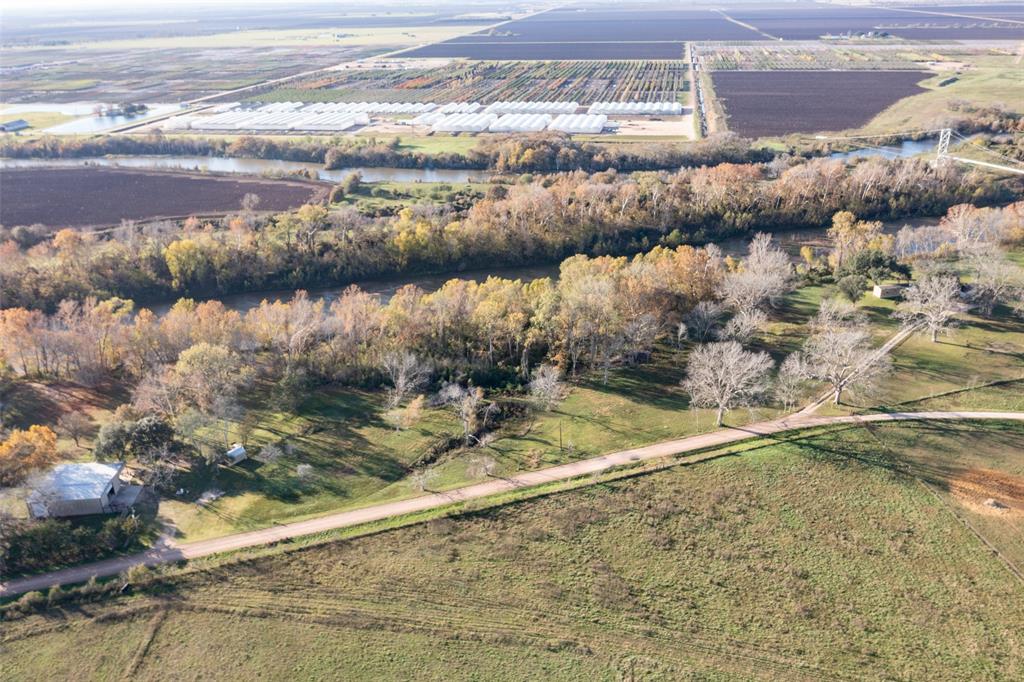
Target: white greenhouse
[521,123]
[590,124]
[464,123]
[636,108]
[532,108]
[460,108]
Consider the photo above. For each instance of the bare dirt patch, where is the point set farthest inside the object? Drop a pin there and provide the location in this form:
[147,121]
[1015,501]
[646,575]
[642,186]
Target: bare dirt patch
[674,126]
[85,197]
[989,492]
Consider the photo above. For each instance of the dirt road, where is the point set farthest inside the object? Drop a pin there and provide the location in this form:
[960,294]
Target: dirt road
[193,550]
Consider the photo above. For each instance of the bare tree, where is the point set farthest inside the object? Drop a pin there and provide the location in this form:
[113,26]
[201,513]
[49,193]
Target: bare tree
[407,374]
[422,477]
[704,321]
[638,337]
[74,425]
[843,357]
[933,302]
[996,279]
[270,453]
[764,276]
[743,325]
[546,386]
[724,376]
[835,313]
[791,381]
[466,402]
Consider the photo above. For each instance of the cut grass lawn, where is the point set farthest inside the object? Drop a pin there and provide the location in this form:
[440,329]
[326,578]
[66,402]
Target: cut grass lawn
[821,556]
[359,459]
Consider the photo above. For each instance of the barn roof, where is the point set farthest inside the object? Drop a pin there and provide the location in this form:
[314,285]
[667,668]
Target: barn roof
[79,481]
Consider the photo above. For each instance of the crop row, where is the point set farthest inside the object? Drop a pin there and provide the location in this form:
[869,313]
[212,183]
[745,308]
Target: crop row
[805,57]
[582,81]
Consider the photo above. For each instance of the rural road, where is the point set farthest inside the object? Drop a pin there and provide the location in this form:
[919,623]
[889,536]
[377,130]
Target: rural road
[170,553]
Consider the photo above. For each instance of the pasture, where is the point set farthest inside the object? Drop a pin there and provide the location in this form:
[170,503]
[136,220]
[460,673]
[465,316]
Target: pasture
[83,197]
[797,559]
[772,103]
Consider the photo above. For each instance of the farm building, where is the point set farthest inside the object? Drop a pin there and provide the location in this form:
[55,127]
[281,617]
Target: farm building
[532,108]
[888,290]
[82,488]
[636,108]
[14,126]
[236,454]
[520,123]
[579,123]
[460,108]
[464,123]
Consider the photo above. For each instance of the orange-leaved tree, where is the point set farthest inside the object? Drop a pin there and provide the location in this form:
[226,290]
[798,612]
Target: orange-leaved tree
[26,451]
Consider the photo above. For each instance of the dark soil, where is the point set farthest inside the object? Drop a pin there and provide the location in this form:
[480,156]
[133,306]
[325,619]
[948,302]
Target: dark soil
[82,197]
[767,103]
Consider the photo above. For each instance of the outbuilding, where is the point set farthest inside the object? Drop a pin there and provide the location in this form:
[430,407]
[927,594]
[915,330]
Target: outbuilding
[236,454]
[890,291]
[82,488]
[14,126]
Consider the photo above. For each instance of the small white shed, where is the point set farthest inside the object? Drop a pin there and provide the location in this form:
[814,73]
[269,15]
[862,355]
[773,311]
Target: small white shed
[888,290]
[236,454]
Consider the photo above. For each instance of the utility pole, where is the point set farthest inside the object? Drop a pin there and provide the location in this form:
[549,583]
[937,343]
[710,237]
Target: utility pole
[942,151]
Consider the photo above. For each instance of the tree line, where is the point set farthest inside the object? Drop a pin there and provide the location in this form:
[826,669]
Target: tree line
[535,153]
[540,219]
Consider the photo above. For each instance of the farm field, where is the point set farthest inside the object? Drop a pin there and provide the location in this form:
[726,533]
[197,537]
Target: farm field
[485,82]
[811,21]
[987,10]
[716,580]
[82,197]
[551,50]
[810,56]
[391,37]
[632,23]
[84,25]
[154,75]
[770,103]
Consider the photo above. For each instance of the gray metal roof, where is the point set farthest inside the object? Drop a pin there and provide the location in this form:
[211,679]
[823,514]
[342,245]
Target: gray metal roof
[79,481]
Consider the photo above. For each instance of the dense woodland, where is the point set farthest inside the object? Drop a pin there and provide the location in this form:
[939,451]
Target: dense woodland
[541,219]
[542,152]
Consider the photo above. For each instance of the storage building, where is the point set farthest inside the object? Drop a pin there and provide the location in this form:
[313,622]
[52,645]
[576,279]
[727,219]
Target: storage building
[82,488]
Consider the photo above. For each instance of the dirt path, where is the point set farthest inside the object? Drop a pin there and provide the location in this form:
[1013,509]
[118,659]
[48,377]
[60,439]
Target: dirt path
[193,550]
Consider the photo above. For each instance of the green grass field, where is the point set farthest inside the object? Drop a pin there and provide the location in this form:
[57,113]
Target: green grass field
[818,557]
[990,79]
[39,120]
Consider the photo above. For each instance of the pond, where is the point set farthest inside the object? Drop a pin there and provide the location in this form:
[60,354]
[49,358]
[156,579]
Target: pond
[905,149]
[96,124]
[216,164]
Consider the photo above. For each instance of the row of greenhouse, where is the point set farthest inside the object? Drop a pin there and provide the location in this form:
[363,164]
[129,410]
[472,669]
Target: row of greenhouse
[500,117]
[512,123]
[636,108]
